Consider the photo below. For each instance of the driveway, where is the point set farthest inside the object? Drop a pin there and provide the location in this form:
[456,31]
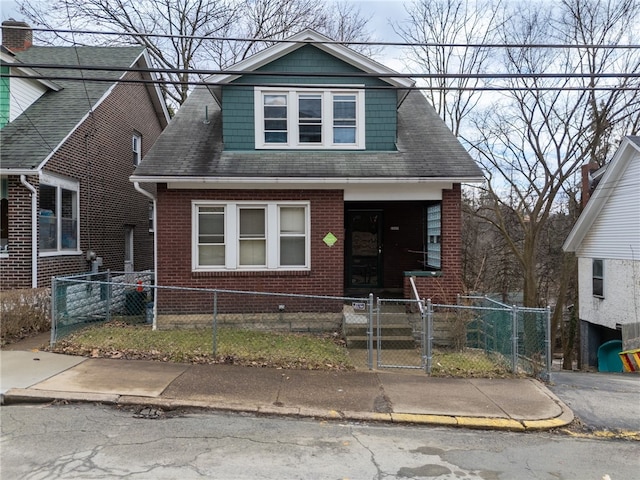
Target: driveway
[603,401]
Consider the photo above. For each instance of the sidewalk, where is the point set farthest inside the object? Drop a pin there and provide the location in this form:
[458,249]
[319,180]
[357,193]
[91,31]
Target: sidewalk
[388,396]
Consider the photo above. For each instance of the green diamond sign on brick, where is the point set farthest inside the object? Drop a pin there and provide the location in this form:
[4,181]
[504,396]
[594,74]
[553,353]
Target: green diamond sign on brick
[330,239]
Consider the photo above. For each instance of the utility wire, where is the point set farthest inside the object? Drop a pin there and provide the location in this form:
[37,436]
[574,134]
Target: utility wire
[438,76]
[342,86]
[332,42]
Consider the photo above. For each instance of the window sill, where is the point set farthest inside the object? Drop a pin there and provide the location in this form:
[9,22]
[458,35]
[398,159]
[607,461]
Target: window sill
[60,253]
[423,273]
[252,273]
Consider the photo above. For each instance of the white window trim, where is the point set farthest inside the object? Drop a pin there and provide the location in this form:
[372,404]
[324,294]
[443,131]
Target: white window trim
[232,226]
[601,278]
[136,148]
[61,183]
[327,118]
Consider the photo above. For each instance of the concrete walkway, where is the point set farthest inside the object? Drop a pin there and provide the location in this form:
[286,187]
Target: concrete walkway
[361,395]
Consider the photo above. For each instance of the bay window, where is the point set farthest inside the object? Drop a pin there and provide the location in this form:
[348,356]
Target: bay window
[250,236]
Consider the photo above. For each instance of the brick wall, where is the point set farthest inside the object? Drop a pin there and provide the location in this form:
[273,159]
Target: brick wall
[98,155]
[445,288]
[174,252]
[15,270]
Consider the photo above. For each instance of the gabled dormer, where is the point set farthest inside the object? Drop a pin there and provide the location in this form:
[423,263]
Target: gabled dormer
[280,99]
[20,87]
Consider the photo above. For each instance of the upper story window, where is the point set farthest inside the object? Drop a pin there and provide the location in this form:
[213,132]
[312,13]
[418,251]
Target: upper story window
[598,278]
[136,148]
[151,215]
[310,118]
[58,215]
[250,236]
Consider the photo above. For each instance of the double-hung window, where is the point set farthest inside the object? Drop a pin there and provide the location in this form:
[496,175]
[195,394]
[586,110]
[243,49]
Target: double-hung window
[250,236]
[433,237]
[309,118]
[598,278]
[58,215]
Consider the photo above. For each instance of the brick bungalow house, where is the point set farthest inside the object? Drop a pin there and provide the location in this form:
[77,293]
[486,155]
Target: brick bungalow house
[69,145]
[309,169]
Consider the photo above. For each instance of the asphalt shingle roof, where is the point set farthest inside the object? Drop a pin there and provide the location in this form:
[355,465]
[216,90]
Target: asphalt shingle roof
[190,147]
[31,137]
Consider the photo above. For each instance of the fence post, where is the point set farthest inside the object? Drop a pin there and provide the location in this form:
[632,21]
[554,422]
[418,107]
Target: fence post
[370,334]
[109,293]
[54,311]
[215,324]
[547,336]
[514,338]
[429,341]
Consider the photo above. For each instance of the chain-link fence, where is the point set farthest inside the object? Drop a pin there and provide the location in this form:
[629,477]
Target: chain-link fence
[476,337]
[80,300]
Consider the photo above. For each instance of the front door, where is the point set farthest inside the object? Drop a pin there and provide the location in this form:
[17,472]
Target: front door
[364,249]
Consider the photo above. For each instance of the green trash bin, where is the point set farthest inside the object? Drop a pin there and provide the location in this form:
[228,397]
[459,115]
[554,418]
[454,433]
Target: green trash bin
[609,358]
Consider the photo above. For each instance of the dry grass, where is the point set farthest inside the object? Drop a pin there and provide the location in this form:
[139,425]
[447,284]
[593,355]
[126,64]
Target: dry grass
[243,347]
[469,363]
[24,313]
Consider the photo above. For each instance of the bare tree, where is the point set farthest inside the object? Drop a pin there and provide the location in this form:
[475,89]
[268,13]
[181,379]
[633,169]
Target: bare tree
[446,22]
[532,138]
[180,20]
[194,34]
[535,138]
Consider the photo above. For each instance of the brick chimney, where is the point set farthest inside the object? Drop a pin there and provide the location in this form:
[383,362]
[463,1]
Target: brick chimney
[16,39]
[587,186]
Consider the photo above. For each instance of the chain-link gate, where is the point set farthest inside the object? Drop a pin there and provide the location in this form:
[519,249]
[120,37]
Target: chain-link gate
[399,334]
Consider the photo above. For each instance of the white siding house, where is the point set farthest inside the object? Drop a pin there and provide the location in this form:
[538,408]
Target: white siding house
[606,240]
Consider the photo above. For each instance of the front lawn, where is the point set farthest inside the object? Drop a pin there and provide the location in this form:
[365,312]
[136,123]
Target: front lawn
[242,347]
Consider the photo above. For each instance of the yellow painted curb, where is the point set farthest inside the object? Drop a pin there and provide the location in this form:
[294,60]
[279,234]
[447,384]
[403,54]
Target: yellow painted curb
[546,424]
[430,419]
[490,423]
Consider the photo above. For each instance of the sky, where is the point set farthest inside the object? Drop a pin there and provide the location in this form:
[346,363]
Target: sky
[382,13]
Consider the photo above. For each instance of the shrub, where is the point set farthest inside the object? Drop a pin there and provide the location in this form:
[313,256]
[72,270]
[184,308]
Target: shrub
[24,313]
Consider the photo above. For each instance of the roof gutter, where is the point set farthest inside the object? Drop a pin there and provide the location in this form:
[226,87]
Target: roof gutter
[34,230]
[303,180]
[149,195]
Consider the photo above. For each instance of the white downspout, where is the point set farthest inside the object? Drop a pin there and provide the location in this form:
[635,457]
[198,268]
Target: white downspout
[149,195]
[34,230]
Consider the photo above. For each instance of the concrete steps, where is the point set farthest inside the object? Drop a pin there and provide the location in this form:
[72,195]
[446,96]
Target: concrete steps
[396,332]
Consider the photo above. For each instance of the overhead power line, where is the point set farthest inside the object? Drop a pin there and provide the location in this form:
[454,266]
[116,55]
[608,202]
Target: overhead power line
[432,76]
[165,81]
[331,42]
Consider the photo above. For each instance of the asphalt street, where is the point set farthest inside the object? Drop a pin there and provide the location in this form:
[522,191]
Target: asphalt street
[602,401]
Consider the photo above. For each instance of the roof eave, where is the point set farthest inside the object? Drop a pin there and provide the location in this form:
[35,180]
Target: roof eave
[301,180]
[599,196]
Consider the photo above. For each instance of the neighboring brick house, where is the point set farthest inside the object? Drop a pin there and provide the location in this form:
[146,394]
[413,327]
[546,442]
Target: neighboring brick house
[606,241]
[335,178]
[68,147]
